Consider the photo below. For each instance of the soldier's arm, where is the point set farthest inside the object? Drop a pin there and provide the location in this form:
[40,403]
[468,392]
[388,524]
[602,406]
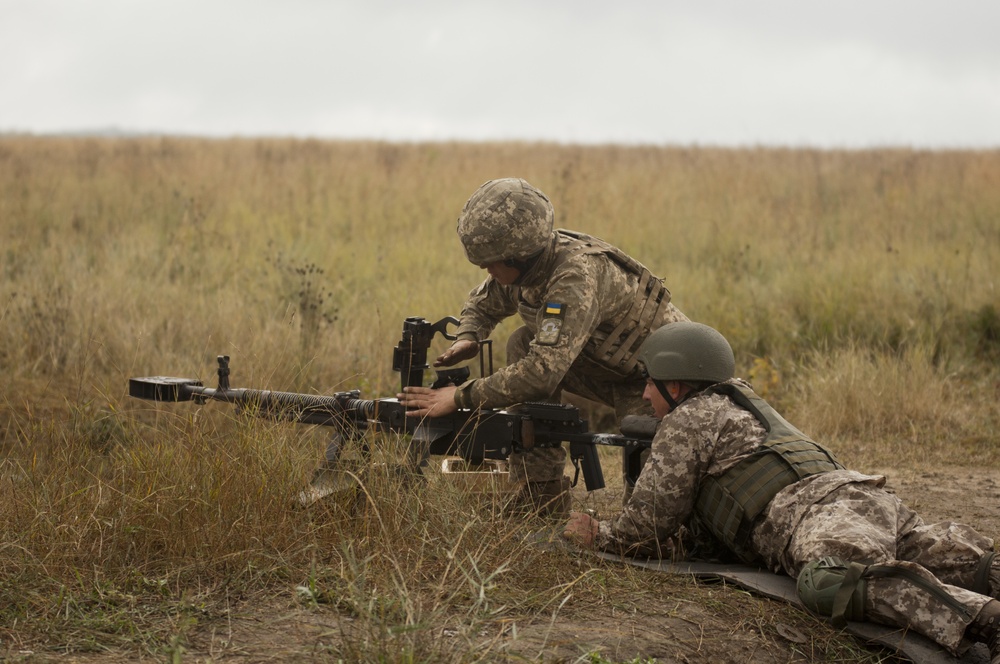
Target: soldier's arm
[487,306]
[563,332]
[664,495]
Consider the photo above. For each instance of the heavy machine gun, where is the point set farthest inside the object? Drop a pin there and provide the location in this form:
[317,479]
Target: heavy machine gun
[473,435]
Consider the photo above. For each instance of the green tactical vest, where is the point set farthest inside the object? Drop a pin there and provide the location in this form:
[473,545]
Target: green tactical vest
[728,505]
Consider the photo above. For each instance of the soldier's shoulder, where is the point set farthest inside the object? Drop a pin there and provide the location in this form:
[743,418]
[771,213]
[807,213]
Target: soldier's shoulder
[701,412]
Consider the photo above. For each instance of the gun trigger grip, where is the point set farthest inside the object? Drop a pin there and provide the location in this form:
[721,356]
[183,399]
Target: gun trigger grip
[576,475]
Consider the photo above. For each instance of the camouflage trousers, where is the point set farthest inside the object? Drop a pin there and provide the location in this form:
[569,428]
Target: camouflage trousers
[585,379]
[938,563]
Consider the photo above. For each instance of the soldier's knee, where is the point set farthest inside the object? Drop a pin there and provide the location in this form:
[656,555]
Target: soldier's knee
[517,344]
[984,582]
[833,588]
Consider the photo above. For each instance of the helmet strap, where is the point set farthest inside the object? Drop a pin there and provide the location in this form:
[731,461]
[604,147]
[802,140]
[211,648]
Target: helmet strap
[523,265]
[661,387]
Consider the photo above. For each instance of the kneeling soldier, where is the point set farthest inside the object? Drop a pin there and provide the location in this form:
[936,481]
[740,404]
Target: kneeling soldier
[586,307]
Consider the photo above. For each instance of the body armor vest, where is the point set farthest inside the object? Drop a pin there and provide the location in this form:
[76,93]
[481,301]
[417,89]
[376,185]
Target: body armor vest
[728,505]
[616,346]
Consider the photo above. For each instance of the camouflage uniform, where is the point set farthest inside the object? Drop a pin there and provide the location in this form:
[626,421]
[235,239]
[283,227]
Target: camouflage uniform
[586,308]
[927,569]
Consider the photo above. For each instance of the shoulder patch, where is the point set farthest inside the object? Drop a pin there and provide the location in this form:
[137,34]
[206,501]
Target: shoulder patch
[550,327]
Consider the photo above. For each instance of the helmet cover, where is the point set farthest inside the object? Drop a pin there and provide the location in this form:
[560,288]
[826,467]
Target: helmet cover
[505,219]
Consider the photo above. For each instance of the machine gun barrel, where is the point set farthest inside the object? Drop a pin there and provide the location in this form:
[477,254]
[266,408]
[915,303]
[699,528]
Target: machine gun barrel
[304,408]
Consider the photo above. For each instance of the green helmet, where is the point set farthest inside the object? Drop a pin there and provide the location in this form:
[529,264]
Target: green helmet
[687,351]
[506,219]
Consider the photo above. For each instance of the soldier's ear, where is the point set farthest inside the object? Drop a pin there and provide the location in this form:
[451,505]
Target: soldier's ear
[676,389]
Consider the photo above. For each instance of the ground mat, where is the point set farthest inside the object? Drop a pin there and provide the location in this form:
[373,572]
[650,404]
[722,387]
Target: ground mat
[914,647]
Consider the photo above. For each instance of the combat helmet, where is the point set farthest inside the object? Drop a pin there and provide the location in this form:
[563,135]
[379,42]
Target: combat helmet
[505,219]
[689,352]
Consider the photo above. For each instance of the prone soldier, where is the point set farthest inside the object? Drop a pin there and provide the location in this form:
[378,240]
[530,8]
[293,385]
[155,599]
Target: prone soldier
[727,473]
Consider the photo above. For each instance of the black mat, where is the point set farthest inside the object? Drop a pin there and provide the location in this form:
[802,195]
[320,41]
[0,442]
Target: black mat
[914,647]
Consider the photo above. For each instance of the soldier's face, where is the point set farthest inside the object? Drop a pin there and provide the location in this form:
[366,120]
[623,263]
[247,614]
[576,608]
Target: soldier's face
[504,274]
[655,399]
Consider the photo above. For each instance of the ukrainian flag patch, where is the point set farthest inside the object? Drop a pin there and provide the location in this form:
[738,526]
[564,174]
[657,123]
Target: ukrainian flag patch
[551,325]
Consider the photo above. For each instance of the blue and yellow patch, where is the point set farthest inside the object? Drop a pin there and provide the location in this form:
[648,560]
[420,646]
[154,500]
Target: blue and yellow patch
[550,326]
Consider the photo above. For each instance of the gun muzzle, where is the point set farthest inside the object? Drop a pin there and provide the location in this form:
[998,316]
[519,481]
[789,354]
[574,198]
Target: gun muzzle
[162,388]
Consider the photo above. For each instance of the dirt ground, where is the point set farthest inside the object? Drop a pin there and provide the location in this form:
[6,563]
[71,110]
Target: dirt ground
[679,620]
[675,620]
[967,494]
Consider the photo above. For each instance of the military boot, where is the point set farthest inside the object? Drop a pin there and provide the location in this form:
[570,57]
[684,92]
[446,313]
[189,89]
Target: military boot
[546,499]
[986,629]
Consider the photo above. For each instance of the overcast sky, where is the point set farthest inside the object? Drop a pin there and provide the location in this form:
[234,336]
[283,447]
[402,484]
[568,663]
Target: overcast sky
[844,73]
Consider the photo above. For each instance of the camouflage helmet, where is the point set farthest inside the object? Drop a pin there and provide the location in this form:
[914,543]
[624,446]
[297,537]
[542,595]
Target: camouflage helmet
[506,219]
[687,351]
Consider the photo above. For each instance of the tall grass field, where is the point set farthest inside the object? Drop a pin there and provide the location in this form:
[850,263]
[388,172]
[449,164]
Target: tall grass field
[859,290]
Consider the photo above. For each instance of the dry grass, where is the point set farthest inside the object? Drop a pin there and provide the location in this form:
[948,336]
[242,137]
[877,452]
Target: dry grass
[858,288]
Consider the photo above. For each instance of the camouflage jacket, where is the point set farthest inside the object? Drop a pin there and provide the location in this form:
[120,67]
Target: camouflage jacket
[705,436]
[587,304]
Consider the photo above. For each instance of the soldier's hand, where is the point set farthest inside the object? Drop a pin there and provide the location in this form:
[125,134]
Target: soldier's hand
[461,350]
[581,529]
[427,402]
